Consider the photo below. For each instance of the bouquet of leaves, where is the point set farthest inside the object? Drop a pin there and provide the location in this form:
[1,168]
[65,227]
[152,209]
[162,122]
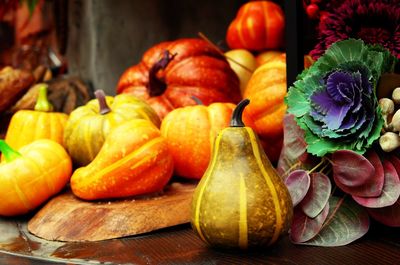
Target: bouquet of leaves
[337,173]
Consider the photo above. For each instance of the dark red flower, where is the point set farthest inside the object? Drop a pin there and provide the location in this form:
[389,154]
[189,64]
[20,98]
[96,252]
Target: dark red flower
[373,21]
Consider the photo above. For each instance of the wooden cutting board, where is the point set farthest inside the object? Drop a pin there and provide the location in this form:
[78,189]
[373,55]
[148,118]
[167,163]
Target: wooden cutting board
[66,218]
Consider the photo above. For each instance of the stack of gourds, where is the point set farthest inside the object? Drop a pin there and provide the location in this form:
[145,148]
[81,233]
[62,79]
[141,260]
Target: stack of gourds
[169,118]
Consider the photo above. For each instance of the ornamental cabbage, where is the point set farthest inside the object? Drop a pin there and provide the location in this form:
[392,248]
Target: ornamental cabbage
[334,101]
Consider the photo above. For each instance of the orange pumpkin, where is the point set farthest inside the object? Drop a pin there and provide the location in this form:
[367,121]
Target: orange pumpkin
[259,25]
[32,175]
[190,132]
[27,126]
[133,160]
[170,73]
[266,90]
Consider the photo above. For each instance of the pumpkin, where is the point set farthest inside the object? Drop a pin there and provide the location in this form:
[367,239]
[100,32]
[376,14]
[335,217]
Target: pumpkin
[241,201]
[258,25]
[31,175]
[266,91]
[170,73]
[27,126]
[89,125]
[190,132]
[134,160]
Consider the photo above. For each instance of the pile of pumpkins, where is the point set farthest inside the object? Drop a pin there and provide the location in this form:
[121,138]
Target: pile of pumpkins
[167,113]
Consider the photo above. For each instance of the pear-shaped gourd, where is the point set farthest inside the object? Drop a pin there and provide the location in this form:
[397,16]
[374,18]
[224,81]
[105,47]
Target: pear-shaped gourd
[241,201]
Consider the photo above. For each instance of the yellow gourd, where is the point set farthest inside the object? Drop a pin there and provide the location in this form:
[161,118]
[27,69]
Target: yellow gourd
[241,201]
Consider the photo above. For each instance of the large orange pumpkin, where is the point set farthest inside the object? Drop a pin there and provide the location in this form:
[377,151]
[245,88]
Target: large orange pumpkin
[170,73]
[266,90]
[259,25]
[190,132]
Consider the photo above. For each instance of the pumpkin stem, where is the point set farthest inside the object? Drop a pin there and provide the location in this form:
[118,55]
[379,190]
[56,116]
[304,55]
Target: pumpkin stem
[42,102]
[9,153]
[156,86]
[101,97]
[236,120]
[197,100]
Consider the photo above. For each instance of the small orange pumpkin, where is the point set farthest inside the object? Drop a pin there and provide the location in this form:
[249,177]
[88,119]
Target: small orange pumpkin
[266,90]
[190,132]
[259,25]
[27,126]
[133,160]
[32,175]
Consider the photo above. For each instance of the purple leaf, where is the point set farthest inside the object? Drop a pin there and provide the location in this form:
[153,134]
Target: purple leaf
[346,222]
[317,196]
[390,192]
[337,86]
[298,183]
[356,174]
[389,216]
[304,228]
[294,145]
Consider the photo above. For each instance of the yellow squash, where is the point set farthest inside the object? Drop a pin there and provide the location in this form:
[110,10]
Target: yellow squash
[89,125]
[27,126]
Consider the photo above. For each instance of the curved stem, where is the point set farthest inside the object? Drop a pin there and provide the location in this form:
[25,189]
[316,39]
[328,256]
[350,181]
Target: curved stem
[42,102]
[8,153]
[103,106]
[197,100]
[236,120]
[156,86]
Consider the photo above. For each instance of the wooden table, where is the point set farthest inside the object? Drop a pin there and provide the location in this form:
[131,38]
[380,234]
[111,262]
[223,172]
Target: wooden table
[179,245]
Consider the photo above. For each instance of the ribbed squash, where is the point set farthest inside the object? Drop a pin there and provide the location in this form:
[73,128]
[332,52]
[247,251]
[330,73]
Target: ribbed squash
[241,201]
[266,90]
[190,132]
[32,175]
[27,126]
[89,125]
[134,160]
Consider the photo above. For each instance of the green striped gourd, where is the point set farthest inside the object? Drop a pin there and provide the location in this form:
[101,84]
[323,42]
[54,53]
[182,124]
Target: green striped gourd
[241,201]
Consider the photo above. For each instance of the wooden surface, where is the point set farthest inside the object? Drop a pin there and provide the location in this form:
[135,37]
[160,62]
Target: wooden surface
[179,245]
[66,218]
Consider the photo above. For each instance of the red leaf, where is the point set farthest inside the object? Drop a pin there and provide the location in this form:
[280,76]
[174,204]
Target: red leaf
[294,145]
[346,222]
[356,174]
[298,183]
[304,228]
[390,192]
[389,216]
[317,196]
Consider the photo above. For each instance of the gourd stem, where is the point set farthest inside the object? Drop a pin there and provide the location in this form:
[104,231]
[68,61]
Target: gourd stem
[156,86]
[236,120]
[42,102]
[101,97]
[8,153]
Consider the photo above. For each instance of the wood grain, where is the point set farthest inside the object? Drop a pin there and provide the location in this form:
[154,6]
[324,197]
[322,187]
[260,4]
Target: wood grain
[67,218]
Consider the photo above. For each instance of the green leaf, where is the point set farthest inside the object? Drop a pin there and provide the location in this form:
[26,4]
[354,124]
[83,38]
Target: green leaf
[299,105]
[346,222]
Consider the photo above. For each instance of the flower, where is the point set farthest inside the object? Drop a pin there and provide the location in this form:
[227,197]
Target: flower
[334,101]
[374,21]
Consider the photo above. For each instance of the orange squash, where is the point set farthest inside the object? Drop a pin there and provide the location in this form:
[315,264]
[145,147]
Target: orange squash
[32,175]
[266,90]
[27,126]
[259,25]
[190,132]
[133,160]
